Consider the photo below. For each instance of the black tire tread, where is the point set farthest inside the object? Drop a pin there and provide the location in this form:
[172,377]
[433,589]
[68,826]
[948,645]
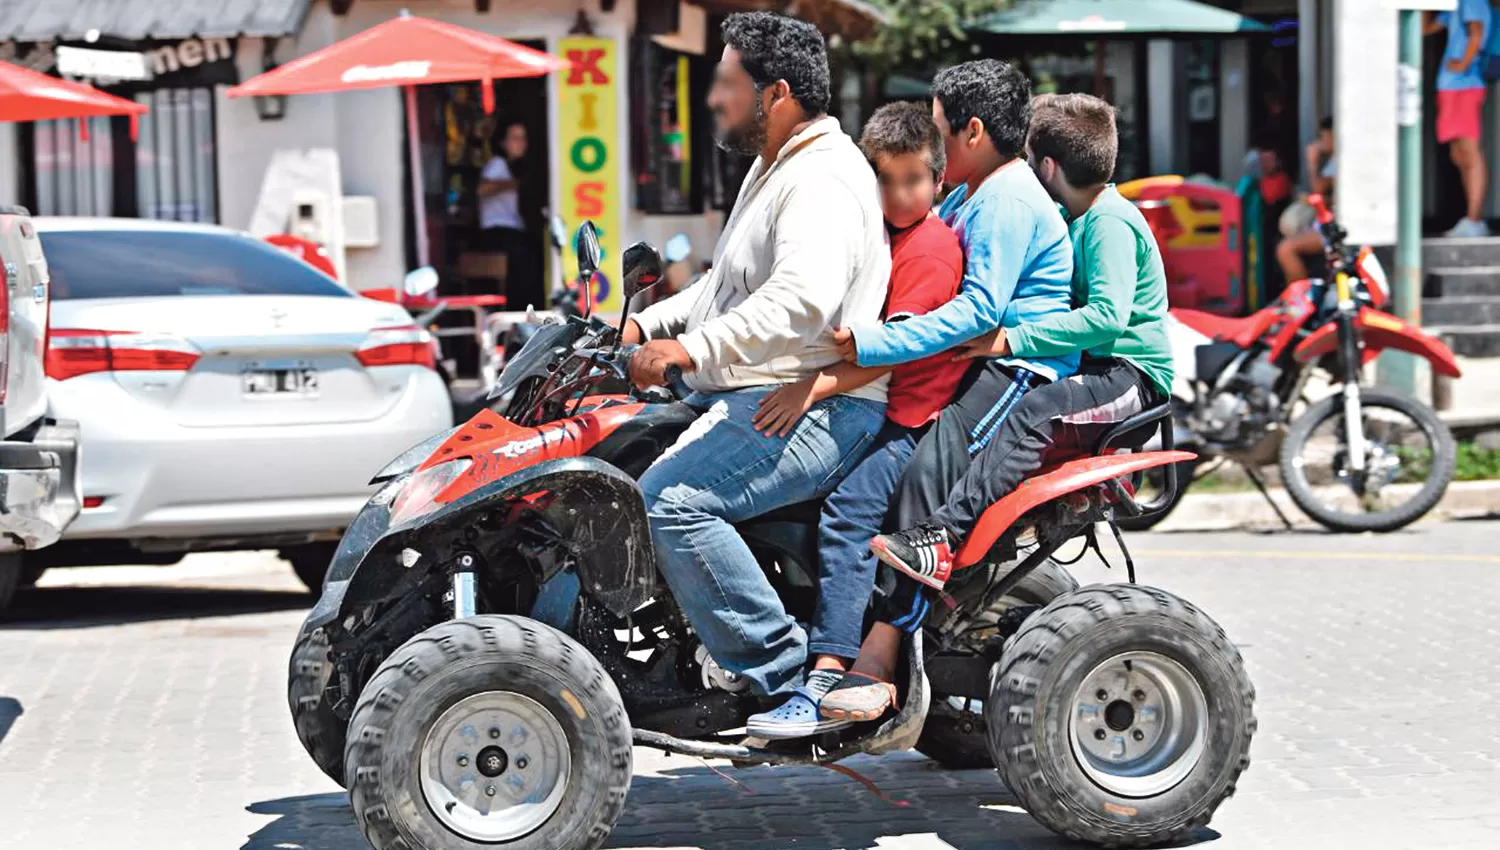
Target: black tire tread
[321,732]
[456,641]
[943,740]
[1041,642]
[1444,459]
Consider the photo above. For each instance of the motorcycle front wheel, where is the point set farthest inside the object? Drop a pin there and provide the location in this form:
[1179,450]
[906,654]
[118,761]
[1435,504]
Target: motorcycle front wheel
[1409,459]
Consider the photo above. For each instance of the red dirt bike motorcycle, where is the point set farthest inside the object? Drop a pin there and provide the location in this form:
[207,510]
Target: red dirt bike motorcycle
[1120,714]
[1359,459]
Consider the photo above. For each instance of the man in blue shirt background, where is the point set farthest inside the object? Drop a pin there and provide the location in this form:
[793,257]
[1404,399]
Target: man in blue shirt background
[1460,104]
[1018,268]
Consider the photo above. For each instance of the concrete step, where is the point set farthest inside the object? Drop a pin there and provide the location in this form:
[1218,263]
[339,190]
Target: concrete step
[1469,340]
[1461,283]
[1446,253]
[1463,311]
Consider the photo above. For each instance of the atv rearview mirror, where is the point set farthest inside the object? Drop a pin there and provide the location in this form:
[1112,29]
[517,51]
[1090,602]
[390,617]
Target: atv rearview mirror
[643,268]
[589,252]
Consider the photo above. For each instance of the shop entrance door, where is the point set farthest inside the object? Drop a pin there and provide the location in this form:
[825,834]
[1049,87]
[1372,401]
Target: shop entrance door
[457,140]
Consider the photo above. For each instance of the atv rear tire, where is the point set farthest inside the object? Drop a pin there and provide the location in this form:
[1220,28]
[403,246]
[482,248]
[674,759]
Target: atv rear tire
[456,722]
[957,738]
[1121,715]
[318,728]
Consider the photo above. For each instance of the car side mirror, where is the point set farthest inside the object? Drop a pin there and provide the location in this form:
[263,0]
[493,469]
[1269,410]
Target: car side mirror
[643,268]
[589,252]
[420,282]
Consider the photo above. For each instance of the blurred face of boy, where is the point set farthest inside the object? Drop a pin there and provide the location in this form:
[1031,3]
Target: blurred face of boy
[907,188]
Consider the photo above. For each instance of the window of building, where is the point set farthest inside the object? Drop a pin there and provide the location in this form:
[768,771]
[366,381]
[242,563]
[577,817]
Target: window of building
[168,172]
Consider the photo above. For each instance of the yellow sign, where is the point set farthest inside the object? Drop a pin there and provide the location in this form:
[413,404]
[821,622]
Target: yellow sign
[588,147]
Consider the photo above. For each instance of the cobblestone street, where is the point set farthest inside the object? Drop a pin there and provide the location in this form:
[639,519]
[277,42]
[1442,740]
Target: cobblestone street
[145,708]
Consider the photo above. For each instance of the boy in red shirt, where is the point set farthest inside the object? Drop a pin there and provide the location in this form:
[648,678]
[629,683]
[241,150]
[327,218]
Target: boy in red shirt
[927,263]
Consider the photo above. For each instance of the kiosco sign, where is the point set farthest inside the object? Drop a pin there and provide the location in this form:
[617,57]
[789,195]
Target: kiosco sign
[588,151]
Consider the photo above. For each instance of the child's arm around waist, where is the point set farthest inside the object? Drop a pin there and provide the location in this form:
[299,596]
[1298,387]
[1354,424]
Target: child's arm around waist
[782,407]
[1001,236]
[1109,262]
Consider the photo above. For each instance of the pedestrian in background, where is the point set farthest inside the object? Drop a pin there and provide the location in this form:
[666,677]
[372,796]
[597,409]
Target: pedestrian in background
[502,228]
[1460,104]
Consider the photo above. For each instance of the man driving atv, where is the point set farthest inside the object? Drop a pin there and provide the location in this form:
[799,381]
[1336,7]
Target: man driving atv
[803,252]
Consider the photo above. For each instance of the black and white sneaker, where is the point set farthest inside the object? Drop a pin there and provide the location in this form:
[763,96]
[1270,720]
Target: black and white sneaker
[924,553]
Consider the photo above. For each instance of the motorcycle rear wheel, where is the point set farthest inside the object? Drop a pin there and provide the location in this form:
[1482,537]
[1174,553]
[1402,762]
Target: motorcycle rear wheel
[1438,457]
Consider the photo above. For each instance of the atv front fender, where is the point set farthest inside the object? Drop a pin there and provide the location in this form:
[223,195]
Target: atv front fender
[595,508]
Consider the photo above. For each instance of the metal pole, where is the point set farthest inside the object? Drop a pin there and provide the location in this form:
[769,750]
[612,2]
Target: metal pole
[1400,369]
[414,151]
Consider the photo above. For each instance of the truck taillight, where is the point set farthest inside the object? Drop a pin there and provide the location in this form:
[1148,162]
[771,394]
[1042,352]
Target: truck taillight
[403,345]
[74,352]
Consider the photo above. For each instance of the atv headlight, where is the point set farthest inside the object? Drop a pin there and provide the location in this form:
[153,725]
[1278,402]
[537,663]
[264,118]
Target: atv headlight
[418,497]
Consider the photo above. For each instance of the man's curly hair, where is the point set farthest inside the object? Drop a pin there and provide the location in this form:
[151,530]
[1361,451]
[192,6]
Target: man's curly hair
[773,47]
[992,91]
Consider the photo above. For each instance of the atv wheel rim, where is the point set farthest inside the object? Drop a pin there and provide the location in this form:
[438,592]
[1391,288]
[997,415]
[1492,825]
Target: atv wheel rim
[495,766]
[1139,724]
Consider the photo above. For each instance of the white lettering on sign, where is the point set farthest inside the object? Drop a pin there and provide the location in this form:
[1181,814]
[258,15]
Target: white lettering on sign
[412,70]
[114,64]
[189,53]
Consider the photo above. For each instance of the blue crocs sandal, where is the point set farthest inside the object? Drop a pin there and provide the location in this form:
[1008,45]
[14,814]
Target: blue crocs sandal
[798,716]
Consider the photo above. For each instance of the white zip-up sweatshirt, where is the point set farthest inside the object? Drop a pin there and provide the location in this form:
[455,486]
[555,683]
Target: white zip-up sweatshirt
[803,253]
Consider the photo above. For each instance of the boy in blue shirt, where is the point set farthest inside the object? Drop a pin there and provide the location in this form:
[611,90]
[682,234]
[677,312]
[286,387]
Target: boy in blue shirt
[1018,270]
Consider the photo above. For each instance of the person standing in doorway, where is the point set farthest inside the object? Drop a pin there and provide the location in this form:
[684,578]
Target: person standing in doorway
[1460,97]
[502,229]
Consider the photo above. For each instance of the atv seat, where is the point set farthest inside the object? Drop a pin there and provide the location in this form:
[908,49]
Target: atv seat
[1086,471]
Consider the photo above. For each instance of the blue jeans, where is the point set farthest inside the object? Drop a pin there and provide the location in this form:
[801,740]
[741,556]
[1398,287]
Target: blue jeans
[722,471]
[851,516]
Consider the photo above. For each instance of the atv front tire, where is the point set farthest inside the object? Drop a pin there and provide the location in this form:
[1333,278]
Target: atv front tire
[318,728]
[1121,715]
[484,731]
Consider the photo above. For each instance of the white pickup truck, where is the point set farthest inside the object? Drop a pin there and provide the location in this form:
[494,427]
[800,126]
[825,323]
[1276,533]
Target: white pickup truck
[38,457]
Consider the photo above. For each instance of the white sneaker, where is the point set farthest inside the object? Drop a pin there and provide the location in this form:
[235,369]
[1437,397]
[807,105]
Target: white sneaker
[1469,228]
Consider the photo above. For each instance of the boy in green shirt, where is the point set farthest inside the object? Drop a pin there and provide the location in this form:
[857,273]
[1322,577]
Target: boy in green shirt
[1119,325]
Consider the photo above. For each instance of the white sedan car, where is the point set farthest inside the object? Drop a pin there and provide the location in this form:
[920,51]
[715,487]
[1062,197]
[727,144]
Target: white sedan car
[229,395]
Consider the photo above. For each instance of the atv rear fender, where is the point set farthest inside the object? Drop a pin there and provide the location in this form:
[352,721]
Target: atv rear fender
[596,509]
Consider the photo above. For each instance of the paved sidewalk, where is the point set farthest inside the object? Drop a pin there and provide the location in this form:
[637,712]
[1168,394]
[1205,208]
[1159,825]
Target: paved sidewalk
[155,717]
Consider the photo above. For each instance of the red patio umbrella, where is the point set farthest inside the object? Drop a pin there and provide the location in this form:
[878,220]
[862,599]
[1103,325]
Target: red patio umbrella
[27,95]
[407,51]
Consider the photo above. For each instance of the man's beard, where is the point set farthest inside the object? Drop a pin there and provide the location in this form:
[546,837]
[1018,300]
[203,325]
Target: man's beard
[748,138]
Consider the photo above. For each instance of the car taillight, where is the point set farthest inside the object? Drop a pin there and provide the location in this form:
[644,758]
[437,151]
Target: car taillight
[404,345]
[74,352]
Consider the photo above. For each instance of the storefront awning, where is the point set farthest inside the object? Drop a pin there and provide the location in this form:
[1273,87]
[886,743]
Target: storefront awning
[75,20]
[1115,17]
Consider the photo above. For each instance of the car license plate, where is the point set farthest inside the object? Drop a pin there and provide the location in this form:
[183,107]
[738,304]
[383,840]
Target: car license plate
[276,379]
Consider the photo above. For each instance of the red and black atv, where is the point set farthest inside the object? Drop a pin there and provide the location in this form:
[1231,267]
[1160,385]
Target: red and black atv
[1119,714]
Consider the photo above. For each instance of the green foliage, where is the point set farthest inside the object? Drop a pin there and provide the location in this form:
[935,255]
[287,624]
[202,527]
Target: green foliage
[1474,463]
[922,33]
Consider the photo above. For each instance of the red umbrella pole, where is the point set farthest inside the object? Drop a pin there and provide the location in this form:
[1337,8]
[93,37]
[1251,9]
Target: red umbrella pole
[414,151]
